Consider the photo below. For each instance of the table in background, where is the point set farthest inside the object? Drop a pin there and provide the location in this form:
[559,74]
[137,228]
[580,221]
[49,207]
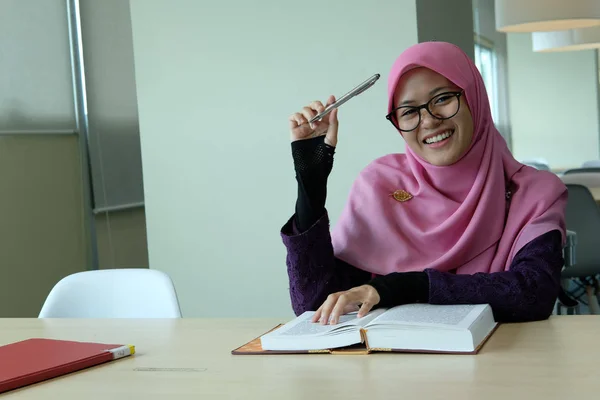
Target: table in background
[191,359]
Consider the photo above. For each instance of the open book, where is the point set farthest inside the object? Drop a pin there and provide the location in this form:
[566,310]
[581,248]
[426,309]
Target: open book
[405,328]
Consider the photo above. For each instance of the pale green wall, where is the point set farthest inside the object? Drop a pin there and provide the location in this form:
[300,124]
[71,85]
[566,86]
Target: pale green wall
[216,83]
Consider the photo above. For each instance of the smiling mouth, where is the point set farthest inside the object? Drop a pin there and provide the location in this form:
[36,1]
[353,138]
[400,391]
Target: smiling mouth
[441,137]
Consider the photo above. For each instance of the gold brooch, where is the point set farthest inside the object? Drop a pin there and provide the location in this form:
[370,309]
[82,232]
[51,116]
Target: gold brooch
[402,195]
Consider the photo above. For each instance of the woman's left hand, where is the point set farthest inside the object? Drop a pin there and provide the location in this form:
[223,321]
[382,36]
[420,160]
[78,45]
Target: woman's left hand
[362,298]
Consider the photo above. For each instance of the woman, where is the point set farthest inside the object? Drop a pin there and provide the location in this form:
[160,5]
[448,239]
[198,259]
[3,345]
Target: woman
[455,220]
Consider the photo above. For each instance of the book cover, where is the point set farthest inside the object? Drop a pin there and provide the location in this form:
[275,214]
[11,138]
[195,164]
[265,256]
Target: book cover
[35,360]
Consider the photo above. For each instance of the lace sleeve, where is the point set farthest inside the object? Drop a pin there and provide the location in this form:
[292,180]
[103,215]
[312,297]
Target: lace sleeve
[313,161]
[313,271]
[526,292]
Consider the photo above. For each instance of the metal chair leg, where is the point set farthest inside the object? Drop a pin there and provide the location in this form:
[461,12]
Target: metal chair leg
[592,300]
[564,300]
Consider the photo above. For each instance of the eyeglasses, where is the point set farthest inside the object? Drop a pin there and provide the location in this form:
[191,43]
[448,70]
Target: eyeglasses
[443,106]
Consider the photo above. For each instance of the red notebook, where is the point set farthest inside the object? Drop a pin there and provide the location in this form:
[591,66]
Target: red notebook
[35,360]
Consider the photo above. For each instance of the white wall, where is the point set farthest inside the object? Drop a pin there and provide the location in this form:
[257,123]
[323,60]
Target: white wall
[553,104]
[216,83]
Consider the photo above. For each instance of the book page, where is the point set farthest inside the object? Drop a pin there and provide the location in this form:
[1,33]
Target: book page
[307,327]
[427,314]
[303,325]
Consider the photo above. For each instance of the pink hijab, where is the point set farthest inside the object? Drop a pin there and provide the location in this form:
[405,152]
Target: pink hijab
[458,219]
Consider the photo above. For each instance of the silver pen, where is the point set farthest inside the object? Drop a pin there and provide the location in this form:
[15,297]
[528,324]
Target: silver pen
[354,92]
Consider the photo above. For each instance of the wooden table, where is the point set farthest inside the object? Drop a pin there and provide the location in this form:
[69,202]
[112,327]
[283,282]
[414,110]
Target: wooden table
[191,359]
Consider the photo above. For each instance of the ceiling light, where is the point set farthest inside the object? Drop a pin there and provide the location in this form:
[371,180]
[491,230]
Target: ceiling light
[546,15]
[569,40]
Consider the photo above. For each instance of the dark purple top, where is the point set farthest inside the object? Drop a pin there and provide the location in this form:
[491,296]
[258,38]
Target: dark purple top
[526,292]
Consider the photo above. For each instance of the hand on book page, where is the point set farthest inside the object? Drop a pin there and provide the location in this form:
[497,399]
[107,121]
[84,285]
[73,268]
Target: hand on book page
[361,298]
[304,326]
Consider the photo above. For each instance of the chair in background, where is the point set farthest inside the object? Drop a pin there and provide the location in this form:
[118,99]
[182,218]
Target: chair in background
[113,293]
[583,217]
[537,164]
[591,163]
[565,301]
[588,179]
[586,170]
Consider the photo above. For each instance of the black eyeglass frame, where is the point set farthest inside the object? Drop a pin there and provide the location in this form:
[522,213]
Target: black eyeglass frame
[425,106]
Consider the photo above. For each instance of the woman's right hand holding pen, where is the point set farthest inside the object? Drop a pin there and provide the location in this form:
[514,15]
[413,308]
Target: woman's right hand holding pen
[300,129]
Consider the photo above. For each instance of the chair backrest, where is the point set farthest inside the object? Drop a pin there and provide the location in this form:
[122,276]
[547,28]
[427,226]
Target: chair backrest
[582,170]
[583,217]
[113,293]
[589,179]
[591,163]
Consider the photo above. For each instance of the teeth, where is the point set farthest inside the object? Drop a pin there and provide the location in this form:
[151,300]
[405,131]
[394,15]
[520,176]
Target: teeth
[439,137]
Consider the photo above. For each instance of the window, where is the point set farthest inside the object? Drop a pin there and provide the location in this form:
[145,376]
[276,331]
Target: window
[485,59]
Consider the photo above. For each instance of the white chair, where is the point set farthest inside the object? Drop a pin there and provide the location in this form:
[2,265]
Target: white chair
[113,293]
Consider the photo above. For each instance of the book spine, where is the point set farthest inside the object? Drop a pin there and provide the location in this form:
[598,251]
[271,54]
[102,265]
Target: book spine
[365,340]
[122,351]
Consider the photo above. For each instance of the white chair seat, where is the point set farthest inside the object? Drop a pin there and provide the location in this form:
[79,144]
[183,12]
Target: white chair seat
[113,293]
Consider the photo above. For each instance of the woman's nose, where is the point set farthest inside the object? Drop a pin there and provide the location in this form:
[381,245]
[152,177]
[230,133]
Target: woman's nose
[428,121]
